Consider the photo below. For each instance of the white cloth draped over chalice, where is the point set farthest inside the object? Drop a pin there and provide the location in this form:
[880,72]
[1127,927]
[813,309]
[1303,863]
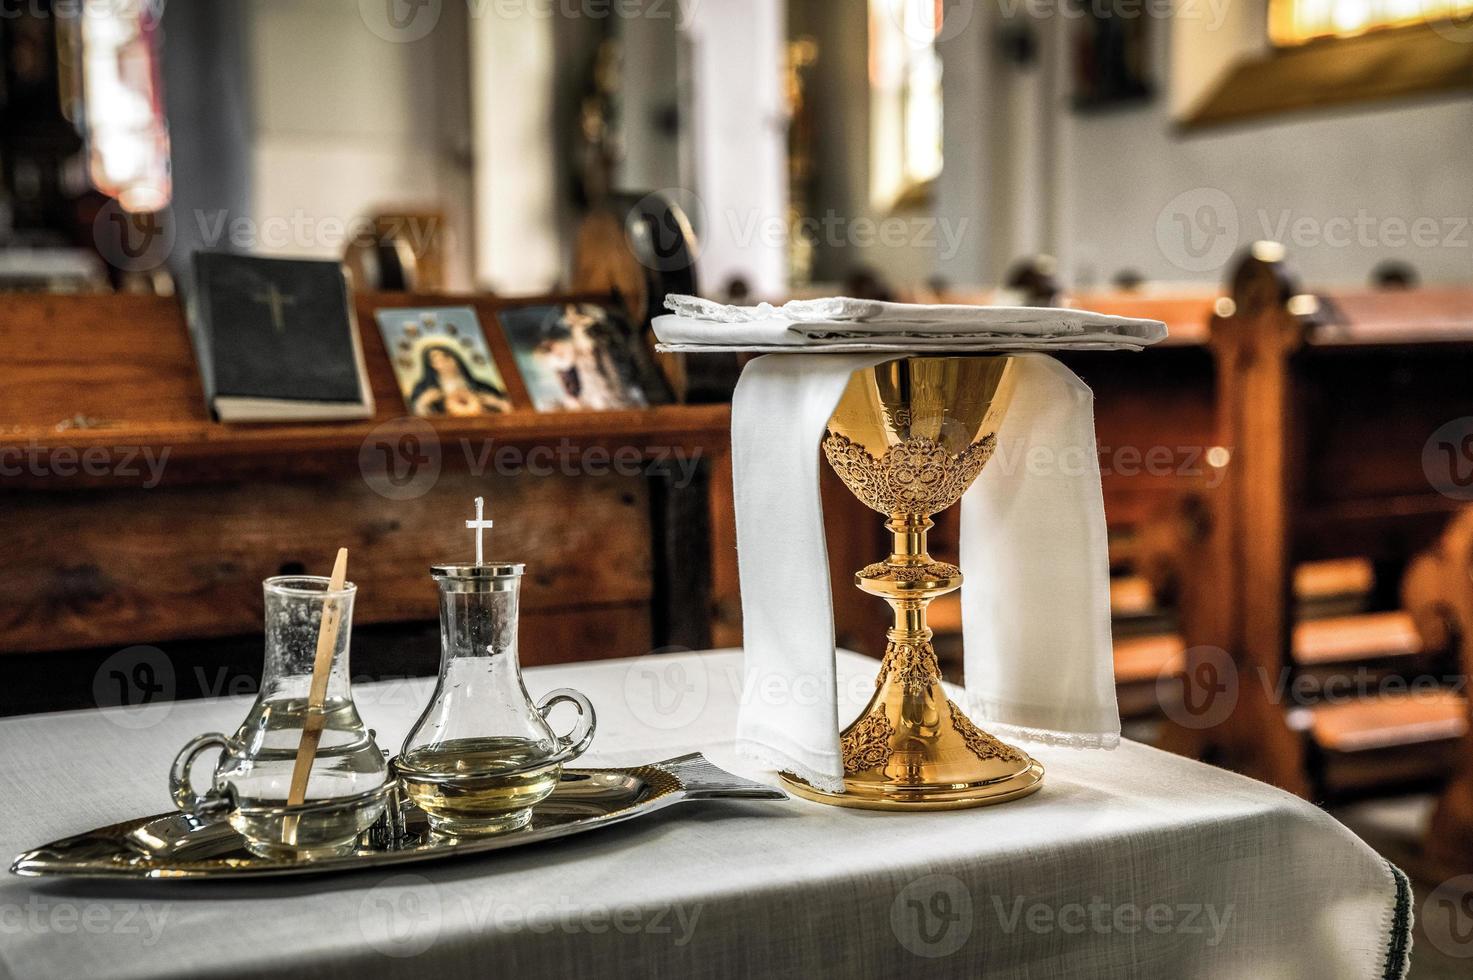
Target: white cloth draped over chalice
[1034,554]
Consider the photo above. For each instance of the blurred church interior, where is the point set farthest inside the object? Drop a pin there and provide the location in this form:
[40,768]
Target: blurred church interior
[1288,184]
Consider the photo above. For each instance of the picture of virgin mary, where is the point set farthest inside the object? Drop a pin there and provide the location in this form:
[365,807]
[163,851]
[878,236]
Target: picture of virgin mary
[581,356]
[447,386]
[575,349]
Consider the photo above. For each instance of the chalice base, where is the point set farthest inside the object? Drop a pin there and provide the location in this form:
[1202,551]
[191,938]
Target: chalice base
[879,795]
[913,748]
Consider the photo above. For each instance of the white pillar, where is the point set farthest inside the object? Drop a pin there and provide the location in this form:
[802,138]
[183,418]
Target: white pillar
[516,224]
[969,127]
[740,130]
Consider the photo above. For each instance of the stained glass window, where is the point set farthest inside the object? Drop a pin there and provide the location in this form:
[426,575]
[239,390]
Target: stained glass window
[1296,21]
[905,104]
[127,137]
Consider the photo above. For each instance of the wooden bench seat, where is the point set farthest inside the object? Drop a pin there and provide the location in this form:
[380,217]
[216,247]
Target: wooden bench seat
[1346,639]
[1368,640]
[1141,659]
[1409,741]
[1140,663]
[1385,721]
[1132,595]
[1332,578]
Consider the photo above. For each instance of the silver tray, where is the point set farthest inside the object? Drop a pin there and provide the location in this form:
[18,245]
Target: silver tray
[179,845]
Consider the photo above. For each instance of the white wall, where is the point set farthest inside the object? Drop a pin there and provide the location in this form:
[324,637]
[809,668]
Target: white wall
[1126,187]
[971,121]
[348,123]
[650,83]
[465,118]
[737,51]
[357,123]
[1134,178]
[518,249]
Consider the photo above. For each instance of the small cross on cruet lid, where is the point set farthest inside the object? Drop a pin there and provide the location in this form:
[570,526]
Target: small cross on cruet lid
[481,570]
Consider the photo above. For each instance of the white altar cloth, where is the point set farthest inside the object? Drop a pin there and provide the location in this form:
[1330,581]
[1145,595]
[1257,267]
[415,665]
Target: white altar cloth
[1131,863]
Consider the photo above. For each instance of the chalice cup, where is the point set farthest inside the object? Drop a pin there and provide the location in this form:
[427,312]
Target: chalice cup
[908,438]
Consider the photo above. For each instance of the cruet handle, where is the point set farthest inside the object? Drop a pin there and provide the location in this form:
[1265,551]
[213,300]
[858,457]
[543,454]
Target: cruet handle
[180,786]
[576,742]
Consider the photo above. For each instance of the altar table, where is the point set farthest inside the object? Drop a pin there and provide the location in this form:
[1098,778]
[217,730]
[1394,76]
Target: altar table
[1127,863]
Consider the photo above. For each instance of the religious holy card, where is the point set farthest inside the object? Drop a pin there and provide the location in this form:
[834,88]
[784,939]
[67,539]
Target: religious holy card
[579,356]
[276,339]
[442,361]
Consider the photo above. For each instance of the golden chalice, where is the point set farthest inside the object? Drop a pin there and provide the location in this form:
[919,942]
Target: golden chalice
[908,438]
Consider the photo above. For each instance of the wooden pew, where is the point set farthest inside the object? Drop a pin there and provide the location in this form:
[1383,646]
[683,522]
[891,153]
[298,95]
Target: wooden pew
[1438,592]
[1324,406]
[104,556]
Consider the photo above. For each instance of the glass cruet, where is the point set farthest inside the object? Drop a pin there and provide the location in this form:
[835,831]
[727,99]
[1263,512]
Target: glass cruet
[483,754]
[345,787]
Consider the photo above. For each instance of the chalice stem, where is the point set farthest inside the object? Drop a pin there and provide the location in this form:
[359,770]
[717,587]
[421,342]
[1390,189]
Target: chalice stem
[909,551]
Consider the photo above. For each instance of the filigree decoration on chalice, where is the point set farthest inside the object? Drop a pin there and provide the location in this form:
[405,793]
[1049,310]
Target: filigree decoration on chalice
[866,745]
[885,572]
[915,476]
[983,745]
[911,665]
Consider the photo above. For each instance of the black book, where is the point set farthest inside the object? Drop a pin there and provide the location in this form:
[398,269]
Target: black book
[276,339]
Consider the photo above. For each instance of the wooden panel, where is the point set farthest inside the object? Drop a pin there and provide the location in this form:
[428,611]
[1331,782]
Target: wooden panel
[51,681]
[1185,314]
[1154,422]
[1366,414]
[1438,590]
[1327,409]
[221,453]
[1131,595]
[132,566]
[115,359]
[1394,769]
[142,395]
[944,615]
[1430,315]
[558,636]
[1388,527]
[681,559]
[1241,599]
[856,536]
[143,521]
[726,624]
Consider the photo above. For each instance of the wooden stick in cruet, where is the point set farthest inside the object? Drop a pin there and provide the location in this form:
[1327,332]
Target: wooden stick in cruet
[327,639]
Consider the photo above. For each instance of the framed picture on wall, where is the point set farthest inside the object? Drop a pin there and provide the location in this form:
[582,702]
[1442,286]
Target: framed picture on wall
[581,356]
[1111,57]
